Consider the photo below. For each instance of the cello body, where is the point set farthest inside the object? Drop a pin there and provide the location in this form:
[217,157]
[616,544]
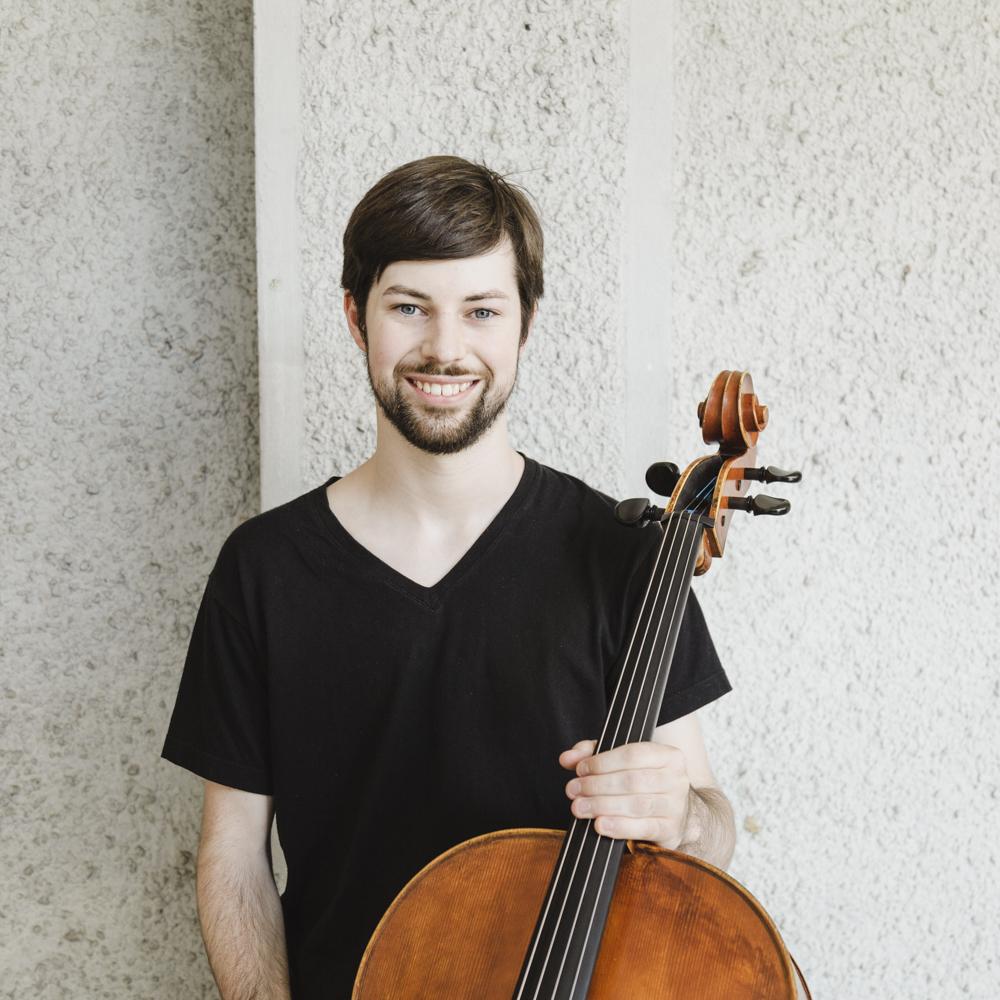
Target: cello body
[678,929]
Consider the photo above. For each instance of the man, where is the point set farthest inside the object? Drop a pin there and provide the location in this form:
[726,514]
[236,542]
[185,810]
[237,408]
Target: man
[422,650]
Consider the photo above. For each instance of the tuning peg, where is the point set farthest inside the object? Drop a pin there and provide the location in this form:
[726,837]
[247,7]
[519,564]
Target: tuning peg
[759,504]
[661,478]
[637,512]
[771,474]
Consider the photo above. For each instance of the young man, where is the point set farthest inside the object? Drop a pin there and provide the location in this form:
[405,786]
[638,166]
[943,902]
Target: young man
[422,650]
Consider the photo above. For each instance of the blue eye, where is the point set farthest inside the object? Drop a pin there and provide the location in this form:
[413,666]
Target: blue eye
[484,310]
[406,305]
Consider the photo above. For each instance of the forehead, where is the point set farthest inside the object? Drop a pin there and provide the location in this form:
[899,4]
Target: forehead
[455,278]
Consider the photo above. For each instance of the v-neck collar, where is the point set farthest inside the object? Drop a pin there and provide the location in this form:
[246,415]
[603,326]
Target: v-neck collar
[431,597]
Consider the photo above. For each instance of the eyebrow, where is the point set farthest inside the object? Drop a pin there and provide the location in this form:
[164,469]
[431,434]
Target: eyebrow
[413,293]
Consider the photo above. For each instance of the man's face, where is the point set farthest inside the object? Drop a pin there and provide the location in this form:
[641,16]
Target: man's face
[443,346]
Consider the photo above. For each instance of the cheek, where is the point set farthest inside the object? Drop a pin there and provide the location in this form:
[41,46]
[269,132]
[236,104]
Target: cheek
[503,362]
[383,360]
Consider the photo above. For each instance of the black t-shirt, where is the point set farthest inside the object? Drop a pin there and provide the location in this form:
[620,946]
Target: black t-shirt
[391,721]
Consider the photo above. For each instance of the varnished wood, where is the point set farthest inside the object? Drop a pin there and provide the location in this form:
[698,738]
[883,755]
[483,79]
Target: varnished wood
[679,929]
[732,417]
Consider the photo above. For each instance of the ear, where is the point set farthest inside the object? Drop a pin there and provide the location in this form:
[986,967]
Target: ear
[351,312]
[531,325]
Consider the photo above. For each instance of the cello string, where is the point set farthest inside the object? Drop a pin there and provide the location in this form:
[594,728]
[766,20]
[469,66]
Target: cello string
[587,877]
[676,565]
[696,537]
[572,877]
[564,854]
[629,737]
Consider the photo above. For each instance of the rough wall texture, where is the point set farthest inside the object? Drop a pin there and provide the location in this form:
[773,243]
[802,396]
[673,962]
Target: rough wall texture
[537,90]
[129,450]
[838,232]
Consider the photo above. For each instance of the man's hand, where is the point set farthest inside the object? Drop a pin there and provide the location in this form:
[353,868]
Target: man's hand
[640,791]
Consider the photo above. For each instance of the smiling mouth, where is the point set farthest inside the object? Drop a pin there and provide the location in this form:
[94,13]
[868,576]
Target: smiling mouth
[443,390]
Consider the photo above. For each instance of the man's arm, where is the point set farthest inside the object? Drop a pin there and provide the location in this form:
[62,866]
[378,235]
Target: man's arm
[238,904]
[709,828]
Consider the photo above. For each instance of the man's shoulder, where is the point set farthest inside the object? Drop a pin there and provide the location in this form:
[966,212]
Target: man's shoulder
[590,512]
[588,527]
[259,539]
[564,487]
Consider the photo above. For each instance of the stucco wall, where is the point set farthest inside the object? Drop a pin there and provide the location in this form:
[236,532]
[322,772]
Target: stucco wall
[835,196]
[538,91]
[838,232]
[129,451]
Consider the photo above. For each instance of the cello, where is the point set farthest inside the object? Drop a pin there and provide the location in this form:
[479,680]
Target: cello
[550,915]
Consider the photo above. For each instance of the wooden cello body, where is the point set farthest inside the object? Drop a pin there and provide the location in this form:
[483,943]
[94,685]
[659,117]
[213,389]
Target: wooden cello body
[678,929]
[572,915]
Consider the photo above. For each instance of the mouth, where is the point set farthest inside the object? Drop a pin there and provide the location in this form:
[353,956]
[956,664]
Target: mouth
[440,391]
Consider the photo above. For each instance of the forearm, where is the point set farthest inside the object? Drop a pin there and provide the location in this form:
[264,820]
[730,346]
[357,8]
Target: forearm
[710,831]
[242,924]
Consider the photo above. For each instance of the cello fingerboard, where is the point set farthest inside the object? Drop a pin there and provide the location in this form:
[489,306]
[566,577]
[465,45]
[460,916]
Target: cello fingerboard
[567,935]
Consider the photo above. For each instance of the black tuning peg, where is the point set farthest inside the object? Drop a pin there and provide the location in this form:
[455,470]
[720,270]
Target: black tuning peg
[637,512]
[771,475]
[661,478]
[760,504]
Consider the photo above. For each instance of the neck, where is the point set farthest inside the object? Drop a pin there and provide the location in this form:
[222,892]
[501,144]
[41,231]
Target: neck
[441,488]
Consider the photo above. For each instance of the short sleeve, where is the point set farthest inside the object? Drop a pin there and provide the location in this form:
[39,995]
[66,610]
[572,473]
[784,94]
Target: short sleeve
[696,674]
[219,725]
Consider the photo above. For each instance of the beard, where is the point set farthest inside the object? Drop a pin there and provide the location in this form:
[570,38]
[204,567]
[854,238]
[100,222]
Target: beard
[440,431]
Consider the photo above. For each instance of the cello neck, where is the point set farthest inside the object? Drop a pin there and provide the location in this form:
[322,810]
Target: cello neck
[567,936]
[639,687]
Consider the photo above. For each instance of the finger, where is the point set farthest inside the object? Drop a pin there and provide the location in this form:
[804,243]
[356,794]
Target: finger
[632,756]
[664,807]
[642,780]
[626,828]
[570,758]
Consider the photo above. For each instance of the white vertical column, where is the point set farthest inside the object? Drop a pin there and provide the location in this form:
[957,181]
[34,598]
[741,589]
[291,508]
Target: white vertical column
[279,289]
[280,353]
[646,241]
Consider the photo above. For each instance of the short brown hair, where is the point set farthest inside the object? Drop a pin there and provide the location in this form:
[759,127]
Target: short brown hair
[441,208]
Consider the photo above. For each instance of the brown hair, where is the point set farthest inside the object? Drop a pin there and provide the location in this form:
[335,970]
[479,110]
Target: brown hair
[440,208]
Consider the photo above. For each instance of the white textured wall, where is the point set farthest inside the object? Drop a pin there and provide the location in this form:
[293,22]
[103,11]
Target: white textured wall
[128,451]
[838,232]
[536,89]
[835,195]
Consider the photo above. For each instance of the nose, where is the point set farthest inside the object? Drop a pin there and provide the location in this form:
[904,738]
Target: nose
[444,341]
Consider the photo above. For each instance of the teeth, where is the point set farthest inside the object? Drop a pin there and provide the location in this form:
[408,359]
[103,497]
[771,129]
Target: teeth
[443,389]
